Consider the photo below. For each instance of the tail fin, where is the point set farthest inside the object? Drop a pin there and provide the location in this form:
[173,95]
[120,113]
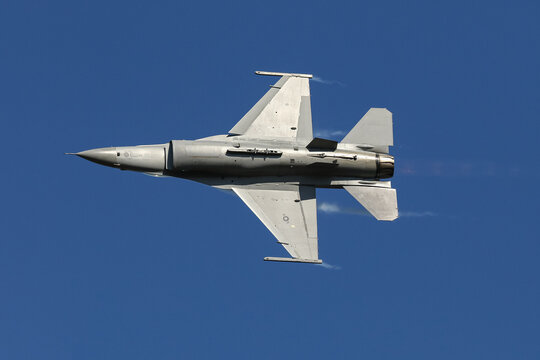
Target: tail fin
[381,202]
[374,130]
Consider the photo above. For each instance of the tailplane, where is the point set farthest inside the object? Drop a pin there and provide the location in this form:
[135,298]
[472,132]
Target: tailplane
[381,202]
[373,132]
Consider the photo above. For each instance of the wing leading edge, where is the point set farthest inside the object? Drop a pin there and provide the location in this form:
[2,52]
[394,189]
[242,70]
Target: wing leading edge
[290,215]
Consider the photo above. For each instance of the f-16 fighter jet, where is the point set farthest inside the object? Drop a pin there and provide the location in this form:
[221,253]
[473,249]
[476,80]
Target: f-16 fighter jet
[271,160]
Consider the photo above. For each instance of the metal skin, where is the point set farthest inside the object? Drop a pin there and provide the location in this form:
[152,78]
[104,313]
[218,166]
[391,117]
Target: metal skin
[276,176]
[214,159]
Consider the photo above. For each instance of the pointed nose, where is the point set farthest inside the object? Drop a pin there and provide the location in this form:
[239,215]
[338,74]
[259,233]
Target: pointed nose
[103,156]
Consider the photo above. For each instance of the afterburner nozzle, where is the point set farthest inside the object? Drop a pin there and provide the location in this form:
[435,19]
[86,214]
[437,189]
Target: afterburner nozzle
[385,166]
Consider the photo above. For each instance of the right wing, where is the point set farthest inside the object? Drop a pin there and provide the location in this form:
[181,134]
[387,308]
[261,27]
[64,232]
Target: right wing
[283,112]
[290,214]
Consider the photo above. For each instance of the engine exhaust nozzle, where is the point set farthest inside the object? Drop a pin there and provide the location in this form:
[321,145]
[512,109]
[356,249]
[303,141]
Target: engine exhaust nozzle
[385,166]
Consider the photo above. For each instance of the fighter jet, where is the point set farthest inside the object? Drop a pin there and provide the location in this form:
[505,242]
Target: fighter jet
[271,160]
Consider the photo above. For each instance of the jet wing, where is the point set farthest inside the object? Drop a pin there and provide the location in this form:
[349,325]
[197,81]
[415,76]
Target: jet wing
[291,216]
[284,112]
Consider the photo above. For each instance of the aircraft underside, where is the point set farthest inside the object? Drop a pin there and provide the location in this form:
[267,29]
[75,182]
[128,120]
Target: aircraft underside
[272,162]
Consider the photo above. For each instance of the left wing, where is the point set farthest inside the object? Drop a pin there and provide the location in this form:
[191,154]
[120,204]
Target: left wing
[290,214]
[284,112]
[380,200]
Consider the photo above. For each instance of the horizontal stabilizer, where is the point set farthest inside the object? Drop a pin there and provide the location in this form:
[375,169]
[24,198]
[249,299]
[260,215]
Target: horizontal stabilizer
[380,202]
[375,128]
[309,261]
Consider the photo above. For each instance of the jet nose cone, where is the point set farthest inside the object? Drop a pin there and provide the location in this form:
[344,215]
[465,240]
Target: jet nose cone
[103,156]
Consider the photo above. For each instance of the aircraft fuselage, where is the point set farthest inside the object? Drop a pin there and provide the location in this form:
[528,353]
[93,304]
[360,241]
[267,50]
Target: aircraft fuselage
[222,156]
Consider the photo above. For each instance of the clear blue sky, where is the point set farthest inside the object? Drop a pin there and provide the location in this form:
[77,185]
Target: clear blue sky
[101,264]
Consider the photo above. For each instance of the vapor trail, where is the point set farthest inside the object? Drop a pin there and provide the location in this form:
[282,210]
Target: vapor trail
[327,82]
[329,266]
[330,208]
[454,168]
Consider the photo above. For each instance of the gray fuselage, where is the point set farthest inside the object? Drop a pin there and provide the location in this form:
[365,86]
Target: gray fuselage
[219,158]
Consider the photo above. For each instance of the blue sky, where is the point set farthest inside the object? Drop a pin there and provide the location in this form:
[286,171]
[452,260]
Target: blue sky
[101,264]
